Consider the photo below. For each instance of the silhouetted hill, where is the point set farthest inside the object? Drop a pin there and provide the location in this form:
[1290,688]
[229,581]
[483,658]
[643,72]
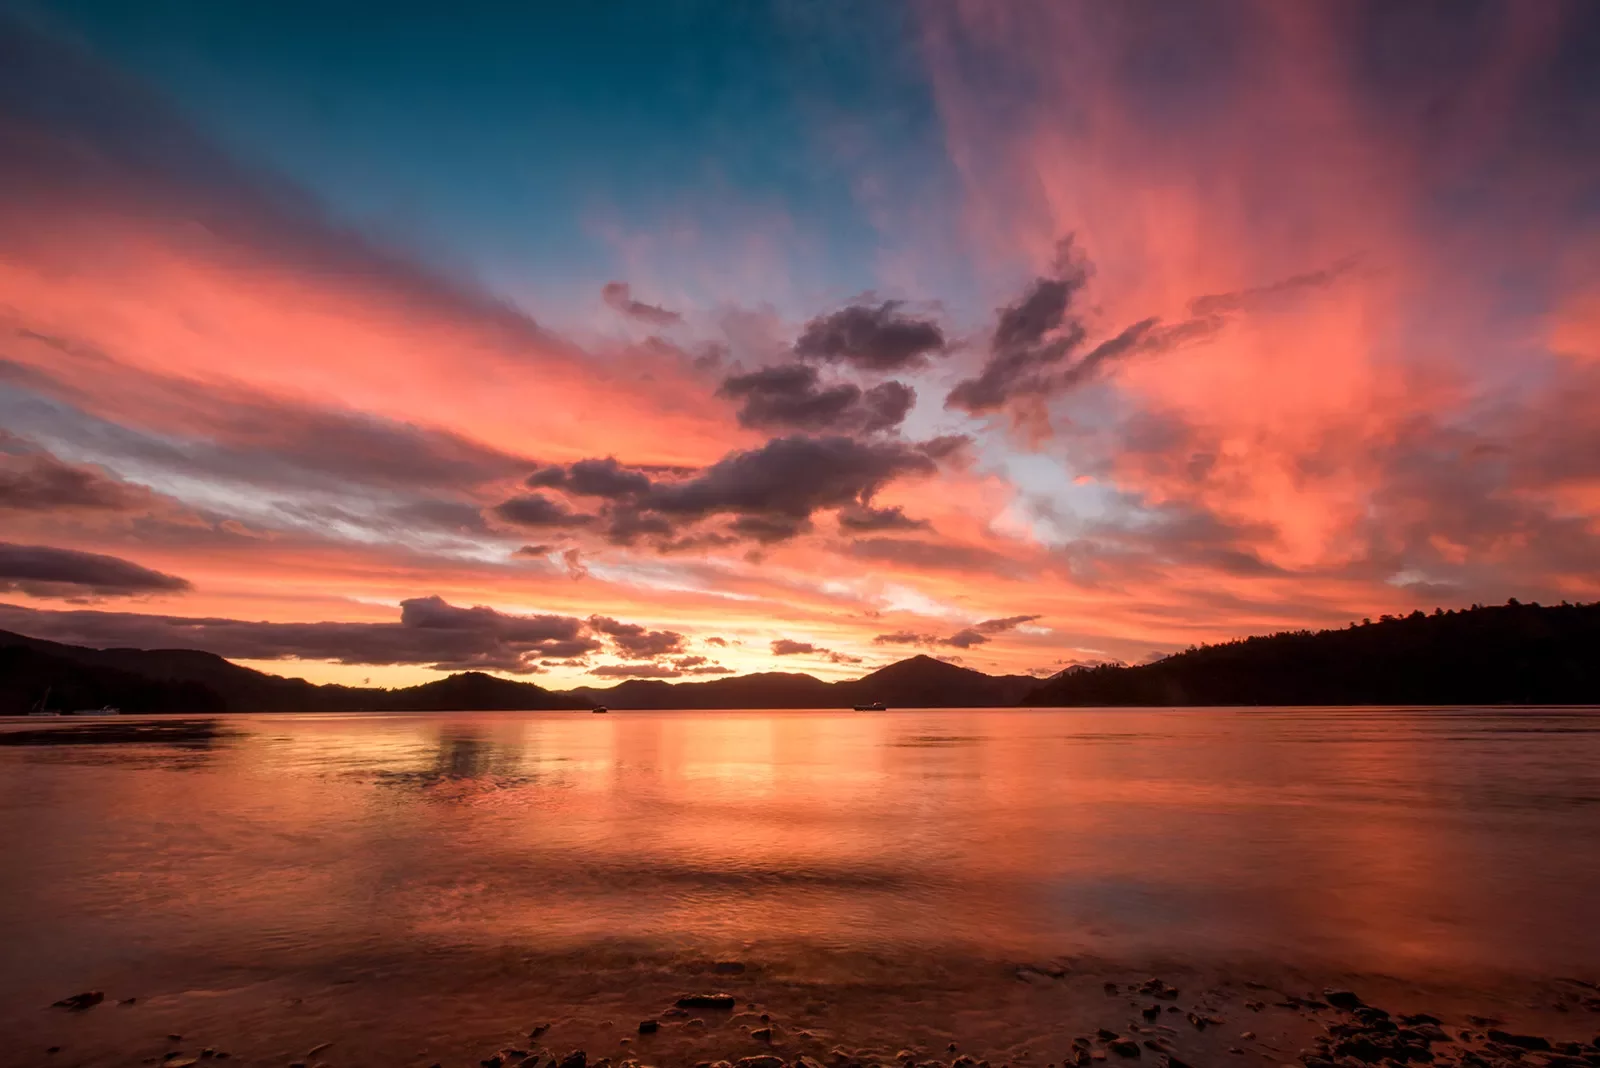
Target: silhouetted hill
[920,682]
[26,674]
[767,689]
[187,680]
[923,682]
[1505,654]
[475,691]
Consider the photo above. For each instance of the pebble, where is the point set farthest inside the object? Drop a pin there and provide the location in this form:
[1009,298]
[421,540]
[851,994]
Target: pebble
[649,1027]
[707,1001]
[765,1060]
[1521,1041]
[1343,999]
[79,1002]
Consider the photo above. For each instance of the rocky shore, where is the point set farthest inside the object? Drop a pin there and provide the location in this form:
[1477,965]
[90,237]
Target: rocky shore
[1052,1018]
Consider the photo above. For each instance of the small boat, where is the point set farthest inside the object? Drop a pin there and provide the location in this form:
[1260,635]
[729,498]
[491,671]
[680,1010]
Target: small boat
[876,706]
[103,710]
[599,708]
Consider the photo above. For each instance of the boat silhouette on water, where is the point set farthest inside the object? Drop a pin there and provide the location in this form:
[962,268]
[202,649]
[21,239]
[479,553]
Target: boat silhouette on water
[876,706]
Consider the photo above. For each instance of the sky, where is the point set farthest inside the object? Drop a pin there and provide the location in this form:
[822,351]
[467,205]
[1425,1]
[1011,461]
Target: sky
[578,343]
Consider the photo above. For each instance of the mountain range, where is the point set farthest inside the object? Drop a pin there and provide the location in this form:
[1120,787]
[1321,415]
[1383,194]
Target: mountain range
[190,681]
[1503,654]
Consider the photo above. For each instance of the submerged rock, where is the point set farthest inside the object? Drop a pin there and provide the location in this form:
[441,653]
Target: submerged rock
[1343,999]
[1123,1047]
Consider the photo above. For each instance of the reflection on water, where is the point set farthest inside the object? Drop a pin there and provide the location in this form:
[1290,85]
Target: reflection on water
[1409,842]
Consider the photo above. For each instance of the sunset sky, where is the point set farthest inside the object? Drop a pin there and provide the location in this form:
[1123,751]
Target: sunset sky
[580,342]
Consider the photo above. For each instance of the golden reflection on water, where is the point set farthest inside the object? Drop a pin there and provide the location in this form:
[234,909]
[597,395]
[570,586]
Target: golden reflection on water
[1392,841]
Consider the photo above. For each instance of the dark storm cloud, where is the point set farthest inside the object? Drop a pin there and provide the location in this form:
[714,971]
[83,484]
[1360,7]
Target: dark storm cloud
[871,337]
[791,476]
[905,637]
[862,519]
[1036,345]
[965,638]
[228,433]
[635,641]
[790,647]
[41,571]
[35,481]
[1260,296]
[537,510]
[791,397]
[1031,334]
[619,296]
[1000,626]
[430,632]
[636,671]
[594,478]
[769,529]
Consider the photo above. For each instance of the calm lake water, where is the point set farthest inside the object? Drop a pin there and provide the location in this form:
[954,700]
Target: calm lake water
[1408,843]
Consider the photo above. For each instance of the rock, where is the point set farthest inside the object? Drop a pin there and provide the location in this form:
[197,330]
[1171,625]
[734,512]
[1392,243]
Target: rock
[181,1062]
[1520,1041]
[208,1052]
[576,1059]
[1255,1006]
[1111,989]
[318,1048]
[725,1002]
[762,1034]
[537,1029]
[493,1061]
[1247,1035]
[728,967]
[1123,1047]
[1343,999]
[1080,1057]
[79,1002]
[1173,1062]
[1420,1018]
[1150,1012]
[649,1027]
[1097,1054]
[1158,989]
[1105,1034]
[765,1060]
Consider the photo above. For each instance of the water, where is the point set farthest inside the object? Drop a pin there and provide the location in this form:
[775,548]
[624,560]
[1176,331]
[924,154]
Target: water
[301,850]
